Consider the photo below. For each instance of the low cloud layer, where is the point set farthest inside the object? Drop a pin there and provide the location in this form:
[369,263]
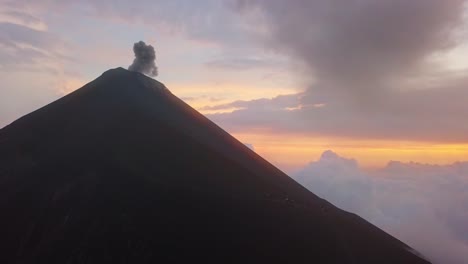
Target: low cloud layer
[145,59]
[426,206]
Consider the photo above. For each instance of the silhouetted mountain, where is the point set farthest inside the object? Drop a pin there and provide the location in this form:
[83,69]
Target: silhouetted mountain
[122,171]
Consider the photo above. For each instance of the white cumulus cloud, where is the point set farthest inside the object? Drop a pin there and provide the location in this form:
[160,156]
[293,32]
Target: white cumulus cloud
[425,206]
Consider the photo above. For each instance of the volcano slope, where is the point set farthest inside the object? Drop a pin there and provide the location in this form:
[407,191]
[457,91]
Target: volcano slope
[122,171]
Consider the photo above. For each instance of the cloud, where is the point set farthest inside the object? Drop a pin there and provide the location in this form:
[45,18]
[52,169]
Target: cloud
[250,146]
[145,59]
[22,18]
[208,21]
[423,205]
[358,46]
[239,64]
[16,36]
[369,65]
[26,48]
[434,114]
[280,101]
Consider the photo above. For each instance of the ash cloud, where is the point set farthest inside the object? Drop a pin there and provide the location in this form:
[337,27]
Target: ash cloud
[145,59]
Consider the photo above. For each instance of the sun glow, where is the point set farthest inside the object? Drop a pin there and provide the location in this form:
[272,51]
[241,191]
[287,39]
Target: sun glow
[292,152]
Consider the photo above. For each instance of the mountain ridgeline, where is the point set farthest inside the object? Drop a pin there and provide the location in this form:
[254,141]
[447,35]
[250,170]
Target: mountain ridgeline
[122,171]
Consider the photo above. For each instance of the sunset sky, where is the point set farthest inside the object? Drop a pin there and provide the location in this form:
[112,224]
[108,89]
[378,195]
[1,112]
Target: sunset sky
[383,84]
[372,80]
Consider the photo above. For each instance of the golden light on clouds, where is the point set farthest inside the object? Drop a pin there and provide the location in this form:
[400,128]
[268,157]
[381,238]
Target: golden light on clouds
[292,152]
[202,95]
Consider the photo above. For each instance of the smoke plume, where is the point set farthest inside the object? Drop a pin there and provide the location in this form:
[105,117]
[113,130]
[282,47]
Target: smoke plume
[145,58]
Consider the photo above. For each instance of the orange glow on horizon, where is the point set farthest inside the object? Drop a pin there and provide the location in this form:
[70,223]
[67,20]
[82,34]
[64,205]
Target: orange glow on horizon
[292,152]
[201,95]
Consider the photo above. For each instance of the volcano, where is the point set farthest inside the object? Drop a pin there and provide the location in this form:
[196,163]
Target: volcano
[122,171]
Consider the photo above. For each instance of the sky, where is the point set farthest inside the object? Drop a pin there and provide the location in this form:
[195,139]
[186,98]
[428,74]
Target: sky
[375,80]
[379,82]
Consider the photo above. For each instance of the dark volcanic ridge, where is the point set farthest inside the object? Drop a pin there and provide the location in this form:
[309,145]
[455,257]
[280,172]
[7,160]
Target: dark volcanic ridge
[122,171]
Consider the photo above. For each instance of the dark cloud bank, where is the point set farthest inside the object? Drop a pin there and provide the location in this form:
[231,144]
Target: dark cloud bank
[358,45]
[371,66]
